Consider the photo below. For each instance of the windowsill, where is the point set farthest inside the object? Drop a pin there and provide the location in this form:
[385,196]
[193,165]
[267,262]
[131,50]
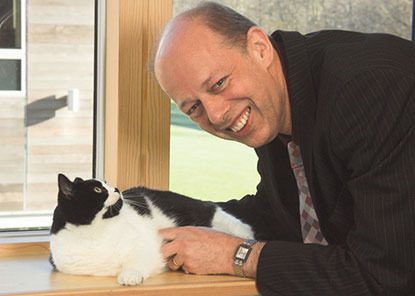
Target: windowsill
[24,236]
[26,270]
[25,220]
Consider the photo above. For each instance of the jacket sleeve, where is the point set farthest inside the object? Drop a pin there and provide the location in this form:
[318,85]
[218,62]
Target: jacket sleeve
[372,132]
[271,217]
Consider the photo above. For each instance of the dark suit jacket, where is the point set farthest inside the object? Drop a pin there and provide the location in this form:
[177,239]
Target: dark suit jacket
[352,100]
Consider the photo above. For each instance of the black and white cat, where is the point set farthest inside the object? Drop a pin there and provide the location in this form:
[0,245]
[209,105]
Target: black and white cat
[99,231]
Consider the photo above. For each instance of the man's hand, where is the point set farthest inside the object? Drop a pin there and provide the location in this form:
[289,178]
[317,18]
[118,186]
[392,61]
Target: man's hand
[202,250]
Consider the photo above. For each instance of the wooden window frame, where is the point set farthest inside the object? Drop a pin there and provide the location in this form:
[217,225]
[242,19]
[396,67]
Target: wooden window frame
[137,112]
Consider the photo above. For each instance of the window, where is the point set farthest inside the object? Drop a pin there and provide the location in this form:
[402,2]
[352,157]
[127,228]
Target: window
[226,169]
[41,135]
[10,24]
[12,48]
[10,74]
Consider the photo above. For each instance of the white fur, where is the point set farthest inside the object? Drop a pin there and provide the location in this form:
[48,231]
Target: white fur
[127,245]
[225,222]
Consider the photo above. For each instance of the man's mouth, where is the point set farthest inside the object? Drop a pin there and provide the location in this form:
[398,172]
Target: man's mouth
[241,122]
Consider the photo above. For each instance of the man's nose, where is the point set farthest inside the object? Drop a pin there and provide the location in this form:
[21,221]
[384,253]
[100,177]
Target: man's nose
[217,110]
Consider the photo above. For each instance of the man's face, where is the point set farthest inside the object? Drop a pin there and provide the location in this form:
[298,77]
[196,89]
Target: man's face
[227,92]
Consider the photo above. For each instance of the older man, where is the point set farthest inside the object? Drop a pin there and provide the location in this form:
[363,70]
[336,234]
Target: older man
[331,116]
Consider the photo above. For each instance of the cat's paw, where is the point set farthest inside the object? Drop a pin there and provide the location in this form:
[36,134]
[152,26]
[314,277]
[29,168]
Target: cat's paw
[130,277]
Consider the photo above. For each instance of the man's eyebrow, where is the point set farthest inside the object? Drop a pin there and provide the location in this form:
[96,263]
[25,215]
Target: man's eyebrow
[184,103]
[206,83]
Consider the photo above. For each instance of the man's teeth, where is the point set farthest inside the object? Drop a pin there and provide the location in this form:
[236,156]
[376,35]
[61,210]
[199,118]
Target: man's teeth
[242,121]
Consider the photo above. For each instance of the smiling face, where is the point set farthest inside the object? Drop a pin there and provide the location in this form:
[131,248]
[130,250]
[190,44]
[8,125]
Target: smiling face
[228,92]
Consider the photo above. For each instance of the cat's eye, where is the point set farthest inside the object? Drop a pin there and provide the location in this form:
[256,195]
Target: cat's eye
[97,189]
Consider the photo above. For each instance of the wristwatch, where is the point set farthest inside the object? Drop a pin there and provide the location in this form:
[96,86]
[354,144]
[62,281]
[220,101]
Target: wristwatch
[241,256]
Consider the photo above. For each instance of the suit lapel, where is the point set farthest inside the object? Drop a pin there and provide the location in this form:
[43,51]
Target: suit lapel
[302,100]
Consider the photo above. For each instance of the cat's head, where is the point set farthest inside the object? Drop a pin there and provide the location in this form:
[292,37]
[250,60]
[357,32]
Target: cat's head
[81,200]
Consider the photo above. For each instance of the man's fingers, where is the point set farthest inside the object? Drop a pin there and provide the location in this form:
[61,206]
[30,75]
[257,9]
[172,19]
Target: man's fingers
[168,234]
[175,263]
[168,250]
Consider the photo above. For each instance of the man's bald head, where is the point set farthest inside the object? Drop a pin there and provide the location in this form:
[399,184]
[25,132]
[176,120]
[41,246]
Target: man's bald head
[226,22]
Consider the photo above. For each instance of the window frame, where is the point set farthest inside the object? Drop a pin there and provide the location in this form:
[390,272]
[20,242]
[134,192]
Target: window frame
[137,112]
[17,54]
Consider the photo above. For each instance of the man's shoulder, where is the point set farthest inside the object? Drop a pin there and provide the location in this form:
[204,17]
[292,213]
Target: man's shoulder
[340,37]
[346,53]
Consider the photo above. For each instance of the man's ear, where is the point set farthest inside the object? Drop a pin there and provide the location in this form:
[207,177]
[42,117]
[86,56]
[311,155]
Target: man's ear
[65,185]
[259,46]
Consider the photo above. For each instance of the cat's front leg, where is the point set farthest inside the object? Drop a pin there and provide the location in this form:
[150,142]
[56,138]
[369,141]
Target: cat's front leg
[130,277]
[141,264]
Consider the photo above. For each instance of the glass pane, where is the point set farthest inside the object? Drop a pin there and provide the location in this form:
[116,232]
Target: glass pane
[40,136]
[207,167]
[10,75]
[10,24]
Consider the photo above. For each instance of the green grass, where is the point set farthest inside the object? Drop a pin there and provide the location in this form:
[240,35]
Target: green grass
[206,167]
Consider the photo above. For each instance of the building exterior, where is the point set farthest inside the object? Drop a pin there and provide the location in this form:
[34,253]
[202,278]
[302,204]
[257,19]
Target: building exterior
[46,53]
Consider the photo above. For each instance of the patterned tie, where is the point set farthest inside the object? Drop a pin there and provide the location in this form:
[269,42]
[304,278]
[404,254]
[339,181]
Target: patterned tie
[310,227]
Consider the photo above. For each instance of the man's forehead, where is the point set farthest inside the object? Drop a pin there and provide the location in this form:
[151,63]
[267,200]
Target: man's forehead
[190,58]
[181,51]
[178,33]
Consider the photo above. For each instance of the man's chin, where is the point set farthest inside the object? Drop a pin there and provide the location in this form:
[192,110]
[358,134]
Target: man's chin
[252,140]
[258,142]
[254,143]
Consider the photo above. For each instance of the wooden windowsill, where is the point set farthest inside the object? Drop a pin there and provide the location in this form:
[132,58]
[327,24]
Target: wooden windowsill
[25,270]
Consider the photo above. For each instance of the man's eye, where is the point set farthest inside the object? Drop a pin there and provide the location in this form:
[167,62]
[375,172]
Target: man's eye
[193,108]
[219,83]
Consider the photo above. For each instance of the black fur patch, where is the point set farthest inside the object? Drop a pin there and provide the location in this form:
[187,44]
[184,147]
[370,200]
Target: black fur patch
[113,210]
[184,210]
[136,198]
[52,262]
[59,221]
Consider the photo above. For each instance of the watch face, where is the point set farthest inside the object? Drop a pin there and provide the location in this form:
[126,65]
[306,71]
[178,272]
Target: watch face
[241,253]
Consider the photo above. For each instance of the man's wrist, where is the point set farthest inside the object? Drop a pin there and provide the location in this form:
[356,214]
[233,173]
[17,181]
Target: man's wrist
[249,268]
[251,265]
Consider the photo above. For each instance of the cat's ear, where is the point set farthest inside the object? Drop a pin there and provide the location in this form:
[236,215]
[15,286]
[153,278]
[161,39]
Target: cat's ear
[65,185]
[77,179]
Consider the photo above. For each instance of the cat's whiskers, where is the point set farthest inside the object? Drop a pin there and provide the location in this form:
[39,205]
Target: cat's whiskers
[138,204]
[115,208]
[128,194]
